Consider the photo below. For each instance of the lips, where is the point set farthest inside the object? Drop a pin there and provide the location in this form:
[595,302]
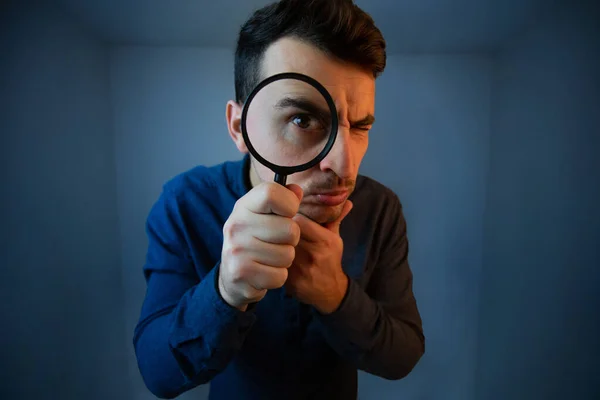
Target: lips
[333,198]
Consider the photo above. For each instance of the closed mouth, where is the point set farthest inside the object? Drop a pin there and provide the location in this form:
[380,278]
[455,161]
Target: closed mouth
[329,198]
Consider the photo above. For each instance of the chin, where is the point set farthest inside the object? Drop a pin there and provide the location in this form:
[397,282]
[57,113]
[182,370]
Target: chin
[321,214]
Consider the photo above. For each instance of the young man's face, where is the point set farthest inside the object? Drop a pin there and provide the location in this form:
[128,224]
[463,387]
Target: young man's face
[327,185]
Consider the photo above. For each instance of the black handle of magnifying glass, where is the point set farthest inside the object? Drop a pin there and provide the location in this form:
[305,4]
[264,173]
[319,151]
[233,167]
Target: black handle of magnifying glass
[281,179]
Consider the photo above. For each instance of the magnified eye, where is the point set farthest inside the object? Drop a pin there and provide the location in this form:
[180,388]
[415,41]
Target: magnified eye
[306,121]
[302,121]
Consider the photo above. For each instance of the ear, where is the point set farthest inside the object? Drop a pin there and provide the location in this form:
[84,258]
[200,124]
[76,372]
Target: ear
[233,114]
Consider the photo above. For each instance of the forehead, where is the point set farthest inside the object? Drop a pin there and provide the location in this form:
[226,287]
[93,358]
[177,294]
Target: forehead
[347,84]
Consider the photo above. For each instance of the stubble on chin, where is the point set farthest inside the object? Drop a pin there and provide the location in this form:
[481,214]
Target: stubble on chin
[321,214]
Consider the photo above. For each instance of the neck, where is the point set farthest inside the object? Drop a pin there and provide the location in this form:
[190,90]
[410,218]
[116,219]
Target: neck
[254,179]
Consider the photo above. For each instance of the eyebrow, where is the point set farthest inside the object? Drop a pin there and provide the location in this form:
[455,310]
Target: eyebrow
[313,108]
[366,121]
[303,104]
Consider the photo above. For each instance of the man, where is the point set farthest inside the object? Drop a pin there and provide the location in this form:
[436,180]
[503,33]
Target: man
[268,291]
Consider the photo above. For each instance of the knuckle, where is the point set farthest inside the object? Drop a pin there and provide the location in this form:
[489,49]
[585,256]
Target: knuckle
[235,250]
[239,271]
[232,249]
[227,228]
[232,227]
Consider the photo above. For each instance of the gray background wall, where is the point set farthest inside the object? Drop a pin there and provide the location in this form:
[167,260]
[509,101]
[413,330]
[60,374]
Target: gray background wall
[540,293]
[433,116]
[494,156]
[62,330]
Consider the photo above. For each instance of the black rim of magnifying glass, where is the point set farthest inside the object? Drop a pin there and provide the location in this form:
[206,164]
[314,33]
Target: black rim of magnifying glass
[281,172]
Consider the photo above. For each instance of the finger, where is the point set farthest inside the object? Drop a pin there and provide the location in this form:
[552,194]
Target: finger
[272,198]
[310,231]
[297,190]
[335,225]
[273,228]
[265,277]
[272,255]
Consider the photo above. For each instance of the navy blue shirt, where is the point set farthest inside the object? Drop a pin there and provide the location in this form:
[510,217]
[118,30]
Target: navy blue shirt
[188,335]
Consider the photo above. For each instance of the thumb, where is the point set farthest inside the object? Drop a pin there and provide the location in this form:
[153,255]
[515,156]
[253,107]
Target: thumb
[297,190]
[335,225]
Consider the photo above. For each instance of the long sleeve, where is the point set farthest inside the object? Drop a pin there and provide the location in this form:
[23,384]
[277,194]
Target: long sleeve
[380,329]
[186,333]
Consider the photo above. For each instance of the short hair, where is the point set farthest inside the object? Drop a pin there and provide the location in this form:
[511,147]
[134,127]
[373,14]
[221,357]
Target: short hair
[339,28]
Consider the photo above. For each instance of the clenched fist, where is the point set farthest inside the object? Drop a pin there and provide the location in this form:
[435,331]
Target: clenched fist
[259,241]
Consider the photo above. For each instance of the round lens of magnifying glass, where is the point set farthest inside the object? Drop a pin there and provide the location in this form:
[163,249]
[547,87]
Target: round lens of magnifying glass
[288,122]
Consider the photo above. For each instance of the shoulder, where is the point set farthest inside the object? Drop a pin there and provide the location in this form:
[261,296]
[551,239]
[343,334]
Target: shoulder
[193,205]
[200,179]
[202,192]
[377,208]
[370,194]
[375,222]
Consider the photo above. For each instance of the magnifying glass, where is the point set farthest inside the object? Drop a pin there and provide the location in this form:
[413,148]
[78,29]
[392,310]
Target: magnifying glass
[289,123]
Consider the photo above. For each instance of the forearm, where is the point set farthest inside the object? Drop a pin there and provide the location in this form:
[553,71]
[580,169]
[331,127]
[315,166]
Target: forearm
[187,345]
[381,340]
[158,366]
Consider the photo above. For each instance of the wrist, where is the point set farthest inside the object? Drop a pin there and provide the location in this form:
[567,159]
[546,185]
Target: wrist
[334,301]
[227,298]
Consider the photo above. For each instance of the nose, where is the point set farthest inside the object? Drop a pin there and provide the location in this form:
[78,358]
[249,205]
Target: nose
[339,160]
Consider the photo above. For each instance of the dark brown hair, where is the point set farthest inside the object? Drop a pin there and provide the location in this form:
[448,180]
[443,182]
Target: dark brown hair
[337,27]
